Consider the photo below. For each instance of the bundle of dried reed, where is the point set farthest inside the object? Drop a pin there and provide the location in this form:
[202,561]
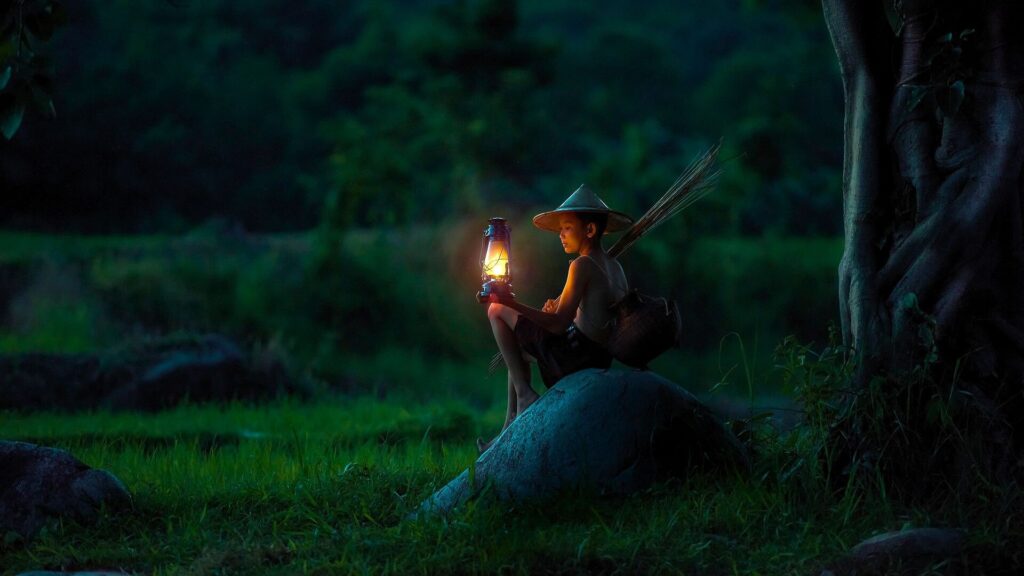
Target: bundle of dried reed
[696,182]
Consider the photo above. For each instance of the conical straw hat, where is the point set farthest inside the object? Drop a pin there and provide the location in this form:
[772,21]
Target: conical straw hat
[583,200]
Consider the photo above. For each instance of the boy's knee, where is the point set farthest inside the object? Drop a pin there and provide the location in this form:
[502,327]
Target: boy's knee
[494,310]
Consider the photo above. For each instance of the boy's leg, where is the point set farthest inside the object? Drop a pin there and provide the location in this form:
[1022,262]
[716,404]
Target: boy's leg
[510,415]
[510,410]
[503,321]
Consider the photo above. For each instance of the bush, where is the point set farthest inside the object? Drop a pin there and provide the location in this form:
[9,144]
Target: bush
[767,286]
[334,295]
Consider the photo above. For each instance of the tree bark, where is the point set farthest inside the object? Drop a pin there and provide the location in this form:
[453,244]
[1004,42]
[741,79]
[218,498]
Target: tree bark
[861,39]
[932,276]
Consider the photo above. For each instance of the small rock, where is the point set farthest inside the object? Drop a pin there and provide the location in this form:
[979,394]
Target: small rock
[207,368]
[613,431]
[38,484]
[903,552]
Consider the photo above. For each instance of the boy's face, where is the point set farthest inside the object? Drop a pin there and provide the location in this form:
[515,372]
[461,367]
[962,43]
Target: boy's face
[571,232]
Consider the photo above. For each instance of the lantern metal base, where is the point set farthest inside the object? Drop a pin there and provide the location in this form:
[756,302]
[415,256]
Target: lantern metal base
[495,287]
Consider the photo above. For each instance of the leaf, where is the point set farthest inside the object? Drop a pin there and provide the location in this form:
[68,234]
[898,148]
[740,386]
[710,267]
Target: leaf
[792,469]
[5,77]
[933,52]
[917,94]
[908,301]
[12,119]
[895,21]
[965,33]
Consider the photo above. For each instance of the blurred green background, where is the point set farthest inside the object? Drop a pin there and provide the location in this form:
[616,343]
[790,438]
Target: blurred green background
[313,178]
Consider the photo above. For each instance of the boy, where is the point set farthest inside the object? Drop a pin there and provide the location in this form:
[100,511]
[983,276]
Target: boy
[570,332]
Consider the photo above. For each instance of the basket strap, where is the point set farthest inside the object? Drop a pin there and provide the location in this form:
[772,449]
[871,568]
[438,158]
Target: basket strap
[605,272]
[599,267]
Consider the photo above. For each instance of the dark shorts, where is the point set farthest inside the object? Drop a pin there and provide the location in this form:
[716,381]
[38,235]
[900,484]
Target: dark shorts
[559,355]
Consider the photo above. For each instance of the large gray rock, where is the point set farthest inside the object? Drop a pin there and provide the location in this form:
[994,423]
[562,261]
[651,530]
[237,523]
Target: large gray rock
[38,484]
[151,376]
[611,431]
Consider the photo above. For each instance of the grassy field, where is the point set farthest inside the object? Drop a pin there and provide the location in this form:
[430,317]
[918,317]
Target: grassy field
[324,489]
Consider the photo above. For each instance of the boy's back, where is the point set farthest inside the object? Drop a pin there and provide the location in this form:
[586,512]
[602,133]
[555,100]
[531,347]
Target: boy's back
[606,284]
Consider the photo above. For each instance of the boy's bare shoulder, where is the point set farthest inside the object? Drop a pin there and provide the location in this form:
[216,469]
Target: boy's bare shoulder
[592,264]
[583,263]
[582,267]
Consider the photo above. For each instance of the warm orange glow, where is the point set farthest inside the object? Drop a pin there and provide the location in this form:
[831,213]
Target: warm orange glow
[496,261]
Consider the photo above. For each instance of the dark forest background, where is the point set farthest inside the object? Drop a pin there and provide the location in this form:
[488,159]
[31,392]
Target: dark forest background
[317,175]
[275,115]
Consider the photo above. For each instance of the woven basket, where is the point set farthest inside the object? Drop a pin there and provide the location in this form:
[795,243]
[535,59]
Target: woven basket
[645,327]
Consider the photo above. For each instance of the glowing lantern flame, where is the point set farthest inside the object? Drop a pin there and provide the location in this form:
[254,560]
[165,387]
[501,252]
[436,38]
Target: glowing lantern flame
[496,260]
[496,271]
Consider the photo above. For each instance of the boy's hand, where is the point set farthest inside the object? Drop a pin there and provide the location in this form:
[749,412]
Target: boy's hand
[550,306]
[496,298]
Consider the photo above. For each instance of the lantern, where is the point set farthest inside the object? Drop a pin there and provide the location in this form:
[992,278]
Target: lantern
[496,273]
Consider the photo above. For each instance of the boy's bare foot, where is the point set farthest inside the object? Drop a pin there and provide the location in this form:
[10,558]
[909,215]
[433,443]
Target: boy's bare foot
[523,401]
[482,446]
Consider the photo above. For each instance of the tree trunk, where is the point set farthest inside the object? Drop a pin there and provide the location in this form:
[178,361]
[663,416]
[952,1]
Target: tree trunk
[931,282]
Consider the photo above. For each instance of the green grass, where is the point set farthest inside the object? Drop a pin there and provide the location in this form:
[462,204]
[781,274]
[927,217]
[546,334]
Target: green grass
[323,489]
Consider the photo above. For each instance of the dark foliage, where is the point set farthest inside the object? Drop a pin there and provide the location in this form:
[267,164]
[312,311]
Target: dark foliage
[277,115]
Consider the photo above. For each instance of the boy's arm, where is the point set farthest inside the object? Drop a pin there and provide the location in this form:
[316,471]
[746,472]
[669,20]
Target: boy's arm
[568,301]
